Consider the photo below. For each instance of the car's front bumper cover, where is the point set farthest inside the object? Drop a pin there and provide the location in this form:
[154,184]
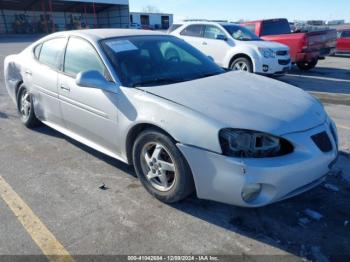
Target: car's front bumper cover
[222,178]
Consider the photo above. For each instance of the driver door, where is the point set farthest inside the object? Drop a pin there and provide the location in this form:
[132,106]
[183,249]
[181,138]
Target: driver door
[214,47]
[89,113]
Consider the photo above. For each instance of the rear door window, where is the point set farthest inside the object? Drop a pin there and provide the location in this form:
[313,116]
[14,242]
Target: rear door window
[193,30]
[51,52]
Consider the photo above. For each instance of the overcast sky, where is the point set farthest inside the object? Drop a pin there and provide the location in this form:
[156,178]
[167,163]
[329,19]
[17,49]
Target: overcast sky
[250,9]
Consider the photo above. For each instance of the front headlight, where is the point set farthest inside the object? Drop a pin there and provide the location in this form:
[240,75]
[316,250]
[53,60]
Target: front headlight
[267,52]
[252,144]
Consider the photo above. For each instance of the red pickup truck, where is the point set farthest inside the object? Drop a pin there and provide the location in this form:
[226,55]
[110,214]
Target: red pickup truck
[343,41]
[305,48]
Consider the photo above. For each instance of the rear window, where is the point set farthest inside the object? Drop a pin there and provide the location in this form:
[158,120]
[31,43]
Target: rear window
[346,34]
[275,27]
[193,30]
[173,28]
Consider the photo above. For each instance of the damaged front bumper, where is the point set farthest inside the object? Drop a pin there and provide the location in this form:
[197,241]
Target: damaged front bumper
[223,179]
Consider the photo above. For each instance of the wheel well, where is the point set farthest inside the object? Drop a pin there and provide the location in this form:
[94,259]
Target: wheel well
[16,92]
[133,134]
[17,87]
[239,56]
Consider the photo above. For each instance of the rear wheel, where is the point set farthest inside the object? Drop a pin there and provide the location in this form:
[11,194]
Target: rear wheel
[242,64]
[161,168]
[26,108]
[305,65]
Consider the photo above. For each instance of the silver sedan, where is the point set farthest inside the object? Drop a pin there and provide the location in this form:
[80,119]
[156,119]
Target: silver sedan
[187,125]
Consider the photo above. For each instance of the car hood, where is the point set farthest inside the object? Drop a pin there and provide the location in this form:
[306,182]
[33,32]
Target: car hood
[247,101]
[266,44]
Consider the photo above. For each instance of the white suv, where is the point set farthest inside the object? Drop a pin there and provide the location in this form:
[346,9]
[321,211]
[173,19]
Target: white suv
[235,47]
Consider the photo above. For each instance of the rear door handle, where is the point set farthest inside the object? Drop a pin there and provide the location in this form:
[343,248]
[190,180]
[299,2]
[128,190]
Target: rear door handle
[63,87]
[204,43]
[28,72]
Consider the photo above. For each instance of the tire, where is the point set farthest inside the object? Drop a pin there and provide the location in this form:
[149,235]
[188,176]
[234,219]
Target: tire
[306,66]
[164,172]
[26,108]
[242,64]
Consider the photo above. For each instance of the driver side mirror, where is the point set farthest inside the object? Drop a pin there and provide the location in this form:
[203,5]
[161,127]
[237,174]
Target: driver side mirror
[95,79]
[221,37]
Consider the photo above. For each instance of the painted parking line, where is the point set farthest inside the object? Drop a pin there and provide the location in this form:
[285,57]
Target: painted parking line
[41,235]
[343,127]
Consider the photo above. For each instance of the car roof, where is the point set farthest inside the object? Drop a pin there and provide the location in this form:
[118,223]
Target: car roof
[99,34]
[207,23]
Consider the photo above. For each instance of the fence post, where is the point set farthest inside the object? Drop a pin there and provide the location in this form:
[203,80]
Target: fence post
[94,9]
[5,23]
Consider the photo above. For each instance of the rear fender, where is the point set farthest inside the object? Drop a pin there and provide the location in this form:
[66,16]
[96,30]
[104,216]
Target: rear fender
[12,75]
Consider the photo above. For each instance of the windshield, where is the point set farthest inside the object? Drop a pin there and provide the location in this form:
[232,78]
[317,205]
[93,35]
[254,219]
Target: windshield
[241,33]
[157,60]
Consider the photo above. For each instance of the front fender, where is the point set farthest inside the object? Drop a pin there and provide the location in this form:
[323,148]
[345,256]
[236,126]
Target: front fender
[186,126]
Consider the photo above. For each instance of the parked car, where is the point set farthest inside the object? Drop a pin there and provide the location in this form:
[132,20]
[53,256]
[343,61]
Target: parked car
[135,26]
[343,41]
[305,48]
[234,47]
[187,125]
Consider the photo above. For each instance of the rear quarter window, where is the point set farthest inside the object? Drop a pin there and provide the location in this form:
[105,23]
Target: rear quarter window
[37,50]
[173,28]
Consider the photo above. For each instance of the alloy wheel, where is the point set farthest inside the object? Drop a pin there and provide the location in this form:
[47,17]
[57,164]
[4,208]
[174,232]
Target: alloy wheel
[25,104]
[240,66]
[158,166]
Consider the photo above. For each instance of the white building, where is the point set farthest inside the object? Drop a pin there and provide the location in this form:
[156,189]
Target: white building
[46,16]
[152,20]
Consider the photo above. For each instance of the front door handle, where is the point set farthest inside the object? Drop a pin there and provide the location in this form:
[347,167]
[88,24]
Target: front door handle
[28,72]
[63,87]
[204,43]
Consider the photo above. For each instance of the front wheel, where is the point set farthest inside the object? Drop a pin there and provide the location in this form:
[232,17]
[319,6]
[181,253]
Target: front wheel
[26,108]
[161,167]
[242,64]
[305,65]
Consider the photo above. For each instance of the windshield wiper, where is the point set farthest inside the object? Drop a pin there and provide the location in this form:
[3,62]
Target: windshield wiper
[157,81]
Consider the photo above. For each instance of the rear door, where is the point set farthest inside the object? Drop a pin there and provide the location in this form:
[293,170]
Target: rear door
[193,34]
[43,75]
[89,113]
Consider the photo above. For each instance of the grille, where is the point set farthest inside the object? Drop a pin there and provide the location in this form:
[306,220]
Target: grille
[284,61]
[282,53]
[323,142]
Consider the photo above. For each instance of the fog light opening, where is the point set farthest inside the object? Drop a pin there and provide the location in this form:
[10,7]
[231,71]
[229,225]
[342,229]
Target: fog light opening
[265,68]
[251,192]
